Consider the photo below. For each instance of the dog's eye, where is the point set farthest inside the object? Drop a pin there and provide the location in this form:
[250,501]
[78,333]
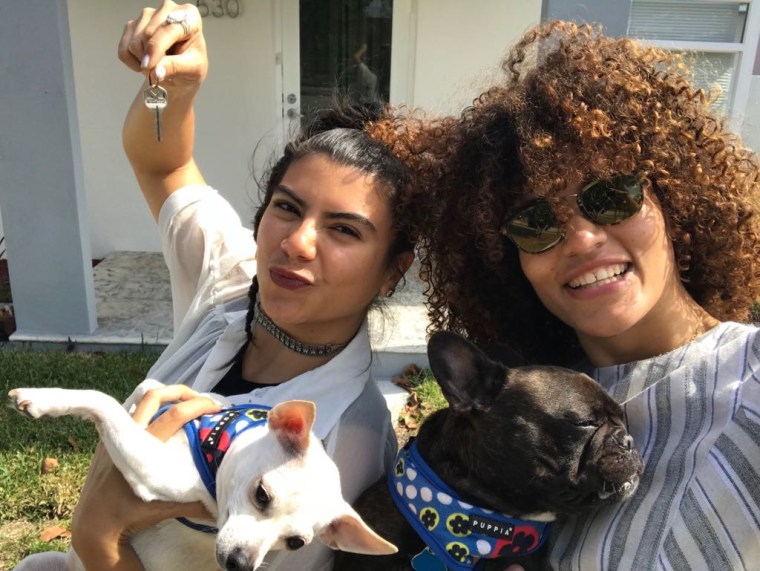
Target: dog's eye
[581,421]
[294,543]
[262,496]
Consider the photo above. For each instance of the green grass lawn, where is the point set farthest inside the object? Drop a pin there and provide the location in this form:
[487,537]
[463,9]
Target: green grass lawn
[29,500]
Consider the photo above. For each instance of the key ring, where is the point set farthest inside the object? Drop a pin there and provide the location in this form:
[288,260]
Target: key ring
[178,17]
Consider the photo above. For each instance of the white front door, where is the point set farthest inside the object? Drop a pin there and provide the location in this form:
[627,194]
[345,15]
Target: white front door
[331,47]
[290,66]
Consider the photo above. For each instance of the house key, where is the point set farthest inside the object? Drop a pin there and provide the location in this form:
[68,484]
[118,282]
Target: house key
[156,99]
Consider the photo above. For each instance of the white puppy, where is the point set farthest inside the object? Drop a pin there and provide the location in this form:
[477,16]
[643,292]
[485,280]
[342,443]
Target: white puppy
[276,489]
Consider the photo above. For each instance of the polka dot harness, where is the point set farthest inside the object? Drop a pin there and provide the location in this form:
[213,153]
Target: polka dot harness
[457,533]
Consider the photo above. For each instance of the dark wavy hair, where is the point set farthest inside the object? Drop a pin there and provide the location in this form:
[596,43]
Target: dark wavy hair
[344,133]
[578,104]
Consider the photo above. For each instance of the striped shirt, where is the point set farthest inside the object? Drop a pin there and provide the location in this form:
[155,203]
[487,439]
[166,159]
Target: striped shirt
[694,414]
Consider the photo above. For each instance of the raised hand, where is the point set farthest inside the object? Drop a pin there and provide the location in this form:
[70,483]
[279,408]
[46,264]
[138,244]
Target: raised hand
[166,44]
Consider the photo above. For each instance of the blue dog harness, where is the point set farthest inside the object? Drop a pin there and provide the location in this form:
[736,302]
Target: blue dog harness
[456,532]
[210,437]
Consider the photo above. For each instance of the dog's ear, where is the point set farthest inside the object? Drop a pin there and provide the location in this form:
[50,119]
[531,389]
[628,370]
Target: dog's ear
[348,532]
[468,378]
[291,422]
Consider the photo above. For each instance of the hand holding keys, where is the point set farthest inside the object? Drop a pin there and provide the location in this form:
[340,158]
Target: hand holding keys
[166,44]
[156,99]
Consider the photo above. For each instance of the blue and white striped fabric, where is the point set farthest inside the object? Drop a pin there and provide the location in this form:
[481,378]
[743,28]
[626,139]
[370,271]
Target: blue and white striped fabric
[695,416]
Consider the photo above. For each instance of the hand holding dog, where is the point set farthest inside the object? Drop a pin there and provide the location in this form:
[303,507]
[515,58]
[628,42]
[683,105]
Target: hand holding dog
[109,513]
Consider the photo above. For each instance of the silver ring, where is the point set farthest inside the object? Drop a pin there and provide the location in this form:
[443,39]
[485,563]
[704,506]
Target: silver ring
[180,18]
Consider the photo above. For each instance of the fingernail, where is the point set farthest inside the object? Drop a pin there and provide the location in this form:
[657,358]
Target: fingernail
[160,72]
[145,61]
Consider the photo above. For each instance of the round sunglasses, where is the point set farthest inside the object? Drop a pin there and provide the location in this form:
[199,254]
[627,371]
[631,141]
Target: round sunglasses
[535,228]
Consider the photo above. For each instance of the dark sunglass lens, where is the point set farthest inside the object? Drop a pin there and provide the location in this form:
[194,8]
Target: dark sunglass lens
[535,228]
[612,201]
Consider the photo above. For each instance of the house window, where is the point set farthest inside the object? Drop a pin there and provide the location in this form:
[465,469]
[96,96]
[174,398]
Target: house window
[688,21]
[345,46]
[714,72]
[711,34]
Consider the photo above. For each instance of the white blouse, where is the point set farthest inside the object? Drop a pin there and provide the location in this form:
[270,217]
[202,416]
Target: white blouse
[210,256]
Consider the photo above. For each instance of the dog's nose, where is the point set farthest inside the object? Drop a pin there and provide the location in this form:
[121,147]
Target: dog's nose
[625,440]
[237,561]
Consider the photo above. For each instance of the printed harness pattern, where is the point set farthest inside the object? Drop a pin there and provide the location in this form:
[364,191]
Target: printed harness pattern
[457,532]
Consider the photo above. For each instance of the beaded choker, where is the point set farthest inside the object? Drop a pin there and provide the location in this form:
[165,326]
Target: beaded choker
[293,344]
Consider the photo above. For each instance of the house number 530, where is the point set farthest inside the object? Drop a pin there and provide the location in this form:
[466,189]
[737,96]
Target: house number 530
[219,8]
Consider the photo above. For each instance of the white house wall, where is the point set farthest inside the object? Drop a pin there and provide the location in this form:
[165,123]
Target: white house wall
[459,45]
[456,43]
[445,53]
[236,110]
[751,123]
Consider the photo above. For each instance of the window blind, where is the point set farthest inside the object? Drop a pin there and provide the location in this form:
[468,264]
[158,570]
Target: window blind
[692,21]
[713,72]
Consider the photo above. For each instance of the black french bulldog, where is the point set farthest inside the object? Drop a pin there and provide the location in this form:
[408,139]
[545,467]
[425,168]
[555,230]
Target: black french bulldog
[530,442]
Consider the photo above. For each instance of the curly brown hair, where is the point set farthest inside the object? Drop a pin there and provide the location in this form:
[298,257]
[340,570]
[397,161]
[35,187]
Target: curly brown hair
[577,104]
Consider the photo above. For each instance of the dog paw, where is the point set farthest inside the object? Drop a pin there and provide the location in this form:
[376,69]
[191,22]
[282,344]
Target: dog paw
[31,402]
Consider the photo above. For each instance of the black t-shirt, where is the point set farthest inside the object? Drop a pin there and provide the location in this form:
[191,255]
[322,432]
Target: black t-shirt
[233,383]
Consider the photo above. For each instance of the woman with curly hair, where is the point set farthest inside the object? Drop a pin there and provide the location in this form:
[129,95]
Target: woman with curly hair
[593,212]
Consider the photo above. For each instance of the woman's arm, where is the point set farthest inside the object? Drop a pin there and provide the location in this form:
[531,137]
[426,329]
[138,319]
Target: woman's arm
[108,512]
[175,56]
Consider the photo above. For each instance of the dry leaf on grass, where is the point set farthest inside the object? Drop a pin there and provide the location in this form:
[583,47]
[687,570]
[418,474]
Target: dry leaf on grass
[411,370]
[403,382]
[54,532]
[407,376]
[49,465]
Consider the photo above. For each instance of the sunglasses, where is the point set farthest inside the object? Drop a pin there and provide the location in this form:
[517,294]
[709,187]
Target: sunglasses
[535,228]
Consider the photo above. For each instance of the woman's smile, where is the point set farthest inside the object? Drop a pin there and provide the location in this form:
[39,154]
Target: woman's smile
[602,280]
[599,277]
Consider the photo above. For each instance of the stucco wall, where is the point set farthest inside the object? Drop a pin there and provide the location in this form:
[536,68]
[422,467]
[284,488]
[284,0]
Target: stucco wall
[445,53]
[236,110]
[458,48]
[751,124]
[453,47]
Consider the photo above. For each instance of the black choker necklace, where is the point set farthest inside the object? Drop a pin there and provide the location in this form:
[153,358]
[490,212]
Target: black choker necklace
[293,344]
